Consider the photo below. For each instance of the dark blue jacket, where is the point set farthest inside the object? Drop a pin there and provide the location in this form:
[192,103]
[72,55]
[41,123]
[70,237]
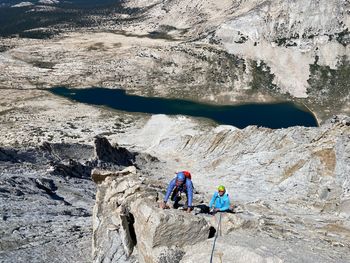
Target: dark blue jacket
[186,186]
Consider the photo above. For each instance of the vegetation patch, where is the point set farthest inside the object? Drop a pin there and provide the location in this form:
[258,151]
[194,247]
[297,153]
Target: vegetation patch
[262,78]
[287,41]
[330,86]
[343,37]
[329,89]
[242,39]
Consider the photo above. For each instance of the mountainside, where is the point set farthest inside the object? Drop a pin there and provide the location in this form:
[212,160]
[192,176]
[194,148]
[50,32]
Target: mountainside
[227,53]
[290,187]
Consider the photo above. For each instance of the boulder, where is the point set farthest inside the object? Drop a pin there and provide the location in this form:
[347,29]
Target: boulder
[160,230]
[230,222]
[104,151]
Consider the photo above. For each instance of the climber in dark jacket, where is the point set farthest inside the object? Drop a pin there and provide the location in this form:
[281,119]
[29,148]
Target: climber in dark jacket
[182,183]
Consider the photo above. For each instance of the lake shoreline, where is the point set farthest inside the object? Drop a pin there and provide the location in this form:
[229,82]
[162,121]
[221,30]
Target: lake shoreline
[269,115]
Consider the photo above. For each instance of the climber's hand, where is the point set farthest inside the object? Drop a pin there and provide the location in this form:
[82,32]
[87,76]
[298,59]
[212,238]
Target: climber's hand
[163,205]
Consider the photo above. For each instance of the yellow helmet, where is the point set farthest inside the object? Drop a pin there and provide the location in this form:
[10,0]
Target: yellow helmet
[221,188]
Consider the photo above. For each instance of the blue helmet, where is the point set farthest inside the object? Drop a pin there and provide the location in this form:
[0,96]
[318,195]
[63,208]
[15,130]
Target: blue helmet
[180,176]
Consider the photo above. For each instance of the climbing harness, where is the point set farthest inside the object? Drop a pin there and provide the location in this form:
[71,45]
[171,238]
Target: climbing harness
[216,236]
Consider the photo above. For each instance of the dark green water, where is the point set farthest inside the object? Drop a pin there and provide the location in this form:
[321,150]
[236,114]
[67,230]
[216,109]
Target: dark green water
[280,115]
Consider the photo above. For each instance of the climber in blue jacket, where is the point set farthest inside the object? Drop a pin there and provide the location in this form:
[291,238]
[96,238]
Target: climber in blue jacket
[182,183]
[220,202]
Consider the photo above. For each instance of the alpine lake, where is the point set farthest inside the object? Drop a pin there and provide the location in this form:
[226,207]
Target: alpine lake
[274,116]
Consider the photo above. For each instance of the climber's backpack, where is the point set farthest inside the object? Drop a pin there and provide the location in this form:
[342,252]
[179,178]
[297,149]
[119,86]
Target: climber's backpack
[187,174]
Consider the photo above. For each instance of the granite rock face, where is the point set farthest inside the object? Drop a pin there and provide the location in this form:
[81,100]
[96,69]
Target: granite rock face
[290,189]
[296,161]
[45,216]
[47,197]
[281,206]
[292,184]
[126,208]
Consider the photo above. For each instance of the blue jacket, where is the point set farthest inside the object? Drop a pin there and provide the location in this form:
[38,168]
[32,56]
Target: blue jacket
[221,202]
[186,187]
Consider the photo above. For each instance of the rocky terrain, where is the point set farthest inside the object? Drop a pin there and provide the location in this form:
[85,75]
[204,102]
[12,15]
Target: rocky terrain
[292,202]
[227,53]
[290,187]
[47,197]
[129,226]
[296,189]
[45,213]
